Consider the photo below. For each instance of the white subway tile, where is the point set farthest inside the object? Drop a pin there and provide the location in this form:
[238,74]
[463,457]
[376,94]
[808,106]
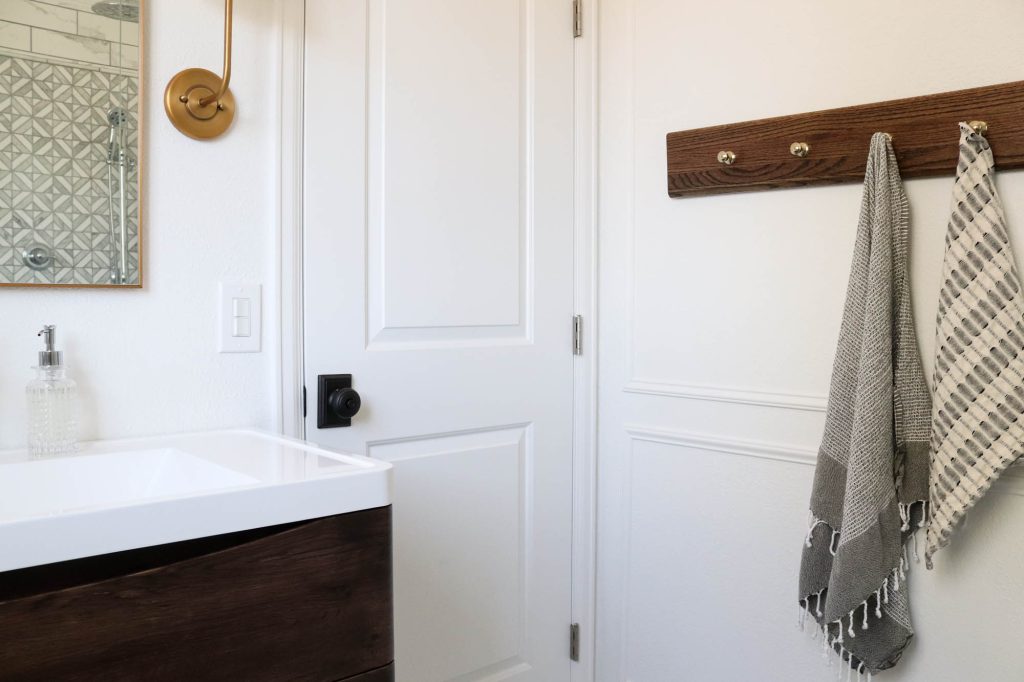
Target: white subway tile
[95,26]
[40,15]
[125,56]
[129,33]
[14,36]
[70,47]
[84,5]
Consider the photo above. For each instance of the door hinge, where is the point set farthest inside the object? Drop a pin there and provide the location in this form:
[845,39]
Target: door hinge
[574,642]
[577,335]
[577,18]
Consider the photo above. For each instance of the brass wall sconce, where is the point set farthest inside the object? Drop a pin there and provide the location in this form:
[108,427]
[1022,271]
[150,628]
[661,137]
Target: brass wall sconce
[198,101]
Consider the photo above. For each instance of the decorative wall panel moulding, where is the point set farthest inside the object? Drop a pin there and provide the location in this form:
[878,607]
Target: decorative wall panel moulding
[1012,482]
[742,396]
[778,452]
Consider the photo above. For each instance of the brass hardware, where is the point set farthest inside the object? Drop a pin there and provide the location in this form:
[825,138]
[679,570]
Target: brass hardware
[727,158]
[980,127]
[800,149]
[888,136]
[198,101]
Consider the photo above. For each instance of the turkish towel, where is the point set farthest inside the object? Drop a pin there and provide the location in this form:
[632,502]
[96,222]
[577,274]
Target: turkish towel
[979,367]
[871,478]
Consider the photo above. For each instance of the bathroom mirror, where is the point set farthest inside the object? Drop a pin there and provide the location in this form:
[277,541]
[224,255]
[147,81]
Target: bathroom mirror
[70,83]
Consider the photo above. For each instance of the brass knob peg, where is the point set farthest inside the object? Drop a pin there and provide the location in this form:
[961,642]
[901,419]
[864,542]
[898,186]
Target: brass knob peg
[726,157]
[800,149]
[979,127]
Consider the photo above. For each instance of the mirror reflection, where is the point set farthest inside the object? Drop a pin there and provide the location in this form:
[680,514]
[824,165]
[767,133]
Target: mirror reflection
[69,143]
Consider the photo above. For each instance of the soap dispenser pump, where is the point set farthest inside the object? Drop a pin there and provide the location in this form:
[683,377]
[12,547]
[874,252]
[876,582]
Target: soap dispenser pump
[52,403]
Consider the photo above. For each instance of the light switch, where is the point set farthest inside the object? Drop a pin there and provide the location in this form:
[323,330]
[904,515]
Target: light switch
[240,318]
[240,307]
[241,326]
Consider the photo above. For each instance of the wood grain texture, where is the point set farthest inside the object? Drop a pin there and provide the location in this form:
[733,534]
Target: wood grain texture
[385,674]
[924,129]
[310,602]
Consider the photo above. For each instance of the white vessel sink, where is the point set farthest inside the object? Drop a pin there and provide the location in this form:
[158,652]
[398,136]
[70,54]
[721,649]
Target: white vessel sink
[120,495]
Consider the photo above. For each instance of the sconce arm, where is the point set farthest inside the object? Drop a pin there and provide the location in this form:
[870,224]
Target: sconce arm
[226,78]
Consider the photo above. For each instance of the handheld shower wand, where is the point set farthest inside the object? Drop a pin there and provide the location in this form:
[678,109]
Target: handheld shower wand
[117,158]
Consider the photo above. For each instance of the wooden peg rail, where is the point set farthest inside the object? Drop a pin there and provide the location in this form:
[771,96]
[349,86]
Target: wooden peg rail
[766,154]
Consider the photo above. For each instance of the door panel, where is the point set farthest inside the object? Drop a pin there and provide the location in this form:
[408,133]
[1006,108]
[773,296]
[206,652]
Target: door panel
[476,562]
[446,148]
[438,272]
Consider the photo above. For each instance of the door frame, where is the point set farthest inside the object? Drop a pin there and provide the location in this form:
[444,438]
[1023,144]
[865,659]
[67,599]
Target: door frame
[288,340]
[289,393]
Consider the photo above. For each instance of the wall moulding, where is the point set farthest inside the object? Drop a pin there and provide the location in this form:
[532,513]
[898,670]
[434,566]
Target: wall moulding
[1012,482]
[725,394]
[779,452]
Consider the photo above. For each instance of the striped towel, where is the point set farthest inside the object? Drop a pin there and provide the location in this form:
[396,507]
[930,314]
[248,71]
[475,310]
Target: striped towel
[871,479]
[978,394]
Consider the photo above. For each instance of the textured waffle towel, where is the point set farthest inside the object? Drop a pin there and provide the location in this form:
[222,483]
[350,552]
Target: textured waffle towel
[979,367]
[871,479]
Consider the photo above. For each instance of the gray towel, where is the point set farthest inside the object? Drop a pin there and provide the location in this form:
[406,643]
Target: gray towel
[871,479]
[979,367]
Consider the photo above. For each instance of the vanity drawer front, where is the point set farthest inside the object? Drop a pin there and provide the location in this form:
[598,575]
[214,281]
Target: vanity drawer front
[385,674]
[308,601]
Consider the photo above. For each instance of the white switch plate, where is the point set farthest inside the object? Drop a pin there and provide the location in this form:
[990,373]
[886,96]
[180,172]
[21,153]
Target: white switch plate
[249,299]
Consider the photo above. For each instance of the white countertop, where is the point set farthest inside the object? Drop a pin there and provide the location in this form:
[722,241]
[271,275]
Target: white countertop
[119,495]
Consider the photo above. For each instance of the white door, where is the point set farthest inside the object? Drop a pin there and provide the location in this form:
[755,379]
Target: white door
[439,273]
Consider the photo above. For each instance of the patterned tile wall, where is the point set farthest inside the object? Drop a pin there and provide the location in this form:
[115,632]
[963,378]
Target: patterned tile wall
[54,184]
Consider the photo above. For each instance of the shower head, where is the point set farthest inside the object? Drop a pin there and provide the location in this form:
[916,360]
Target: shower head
[124,10]
[117,117]
[117,154]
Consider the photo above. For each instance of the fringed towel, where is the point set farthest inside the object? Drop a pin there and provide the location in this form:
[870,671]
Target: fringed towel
[979,367]
[871,479]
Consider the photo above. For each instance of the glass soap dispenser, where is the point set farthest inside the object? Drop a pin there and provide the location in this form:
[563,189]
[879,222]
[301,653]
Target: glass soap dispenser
[52,403]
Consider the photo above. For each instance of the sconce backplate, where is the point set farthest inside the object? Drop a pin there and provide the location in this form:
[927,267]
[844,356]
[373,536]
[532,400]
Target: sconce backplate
[181,101]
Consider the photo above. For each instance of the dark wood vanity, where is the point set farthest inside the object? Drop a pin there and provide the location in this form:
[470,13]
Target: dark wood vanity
[303,601]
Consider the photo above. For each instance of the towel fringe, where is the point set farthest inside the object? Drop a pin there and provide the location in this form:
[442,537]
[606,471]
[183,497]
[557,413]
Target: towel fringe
[835,645]
[907,514]
[814,523]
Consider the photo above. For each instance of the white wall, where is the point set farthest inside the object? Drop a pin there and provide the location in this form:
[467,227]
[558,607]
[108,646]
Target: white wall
[719,319]
[146,360]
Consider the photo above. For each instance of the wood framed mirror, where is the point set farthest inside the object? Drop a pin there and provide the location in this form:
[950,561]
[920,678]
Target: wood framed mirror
[70,143]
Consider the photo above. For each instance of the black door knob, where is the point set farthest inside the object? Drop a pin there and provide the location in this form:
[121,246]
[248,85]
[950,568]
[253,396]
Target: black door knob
[344,402]
[336,401]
